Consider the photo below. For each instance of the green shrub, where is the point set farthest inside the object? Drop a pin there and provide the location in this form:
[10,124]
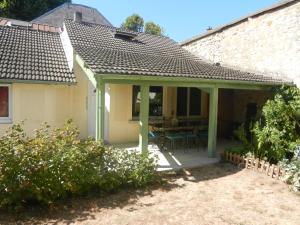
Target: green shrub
[277,132]
[55,163]
[275,135]
[292,170]
[240,135]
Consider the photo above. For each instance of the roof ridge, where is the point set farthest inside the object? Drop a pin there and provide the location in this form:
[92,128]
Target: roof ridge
[120,28]
[7,22]
[220,28]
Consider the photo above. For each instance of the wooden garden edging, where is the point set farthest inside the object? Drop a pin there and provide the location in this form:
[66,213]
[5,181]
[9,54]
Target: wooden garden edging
[258,165]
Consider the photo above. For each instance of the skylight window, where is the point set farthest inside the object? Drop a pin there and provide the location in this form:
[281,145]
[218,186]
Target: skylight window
[124,35]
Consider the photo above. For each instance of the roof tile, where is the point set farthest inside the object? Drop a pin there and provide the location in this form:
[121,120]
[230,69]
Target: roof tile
[28,54]
[146,55]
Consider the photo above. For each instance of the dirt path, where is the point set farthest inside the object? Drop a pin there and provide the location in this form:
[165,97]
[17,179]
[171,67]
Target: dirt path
[218,194]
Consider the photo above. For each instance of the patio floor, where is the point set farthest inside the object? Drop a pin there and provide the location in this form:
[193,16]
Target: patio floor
[182,157]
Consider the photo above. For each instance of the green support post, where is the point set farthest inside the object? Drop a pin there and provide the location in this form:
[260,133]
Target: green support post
[144,118]
[213,121]
[100,110]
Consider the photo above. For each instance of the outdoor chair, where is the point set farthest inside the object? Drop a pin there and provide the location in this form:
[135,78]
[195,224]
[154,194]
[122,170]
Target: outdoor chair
[174,138]
[191,138]
[203,136]
[155,137]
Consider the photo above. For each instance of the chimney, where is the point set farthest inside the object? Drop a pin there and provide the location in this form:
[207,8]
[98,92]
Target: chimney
[78,17]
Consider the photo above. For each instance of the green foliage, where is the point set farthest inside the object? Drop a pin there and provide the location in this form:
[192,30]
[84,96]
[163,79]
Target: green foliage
[246,147]
[241,150]
[54,164]
[136,23]
[292,170]
[277,132]
[27,9]
[240,134]
[153,28]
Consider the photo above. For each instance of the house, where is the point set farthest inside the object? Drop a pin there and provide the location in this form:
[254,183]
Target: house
[266,41]
[115,83]
[56,16]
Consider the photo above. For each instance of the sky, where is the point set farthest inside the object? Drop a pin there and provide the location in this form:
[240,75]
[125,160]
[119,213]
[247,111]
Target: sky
[181,19]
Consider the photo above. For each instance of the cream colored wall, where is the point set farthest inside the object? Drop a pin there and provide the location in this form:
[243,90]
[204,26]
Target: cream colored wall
[54,104]
[122,129]
[79,101]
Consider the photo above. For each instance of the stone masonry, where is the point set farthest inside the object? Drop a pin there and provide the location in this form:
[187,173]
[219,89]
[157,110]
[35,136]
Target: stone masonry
[267,43]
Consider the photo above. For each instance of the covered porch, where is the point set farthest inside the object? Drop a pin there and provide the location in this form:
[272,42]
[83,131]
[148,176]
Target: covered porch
[211,88]
[112,59]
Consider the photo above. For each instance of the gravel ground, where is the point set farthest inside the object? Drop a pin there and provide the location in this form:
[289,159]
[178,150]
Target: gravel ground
[217,194]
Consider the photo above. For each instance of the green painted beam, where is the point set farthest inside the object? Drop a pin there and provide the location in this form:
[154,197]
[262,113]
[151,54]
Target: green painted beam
[144,118]
[180,83]
[207,90]
[213,122]
[100,111]
[185,81]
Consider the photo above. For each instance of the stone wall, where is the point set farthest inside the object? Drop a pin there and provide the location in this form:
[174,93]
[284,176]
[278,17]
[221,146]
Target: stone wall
[269,43]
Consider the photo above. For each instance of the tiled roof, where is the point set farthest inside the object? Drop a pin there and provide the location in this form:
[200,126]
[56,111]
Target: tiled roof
[27,53]
[145,55]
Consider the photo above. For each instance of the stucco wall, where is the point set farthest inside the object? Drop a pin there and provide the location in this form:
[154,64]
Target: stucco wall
[80,101]
[268,43]
[54,104]
[122,129]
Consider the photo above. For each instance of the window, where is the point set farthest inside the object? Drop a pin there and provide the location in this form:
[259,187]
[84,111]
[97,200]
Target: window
[155,101]
[5,103]
[188,101]
[182,101]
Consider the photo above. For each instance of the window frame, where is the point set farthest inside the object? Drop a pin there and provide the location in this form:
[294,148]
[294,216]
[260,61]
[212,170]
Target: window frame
[135,118]
[5,120]
[188,105]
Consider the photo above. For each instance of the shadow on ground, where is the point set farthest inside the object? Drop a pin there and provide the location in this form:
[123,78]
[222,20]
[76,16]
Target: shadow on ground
[83,208]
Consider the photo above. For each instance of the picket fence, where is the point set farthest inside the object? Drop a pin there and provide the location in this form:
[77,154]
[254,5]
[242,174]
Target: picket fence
[258,165]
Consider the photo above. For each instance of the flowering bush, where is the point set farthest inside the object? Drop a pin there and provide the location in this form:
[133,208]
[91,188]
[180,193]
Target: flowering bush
[55,163]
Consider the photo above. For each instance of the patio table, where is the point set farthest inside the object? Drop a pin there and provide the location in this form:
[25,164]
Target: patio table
[177,133]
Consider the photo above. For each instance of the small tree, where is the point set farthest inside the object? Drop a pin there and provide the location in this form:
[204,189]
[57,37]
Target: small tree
[134,23]
[153,28]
